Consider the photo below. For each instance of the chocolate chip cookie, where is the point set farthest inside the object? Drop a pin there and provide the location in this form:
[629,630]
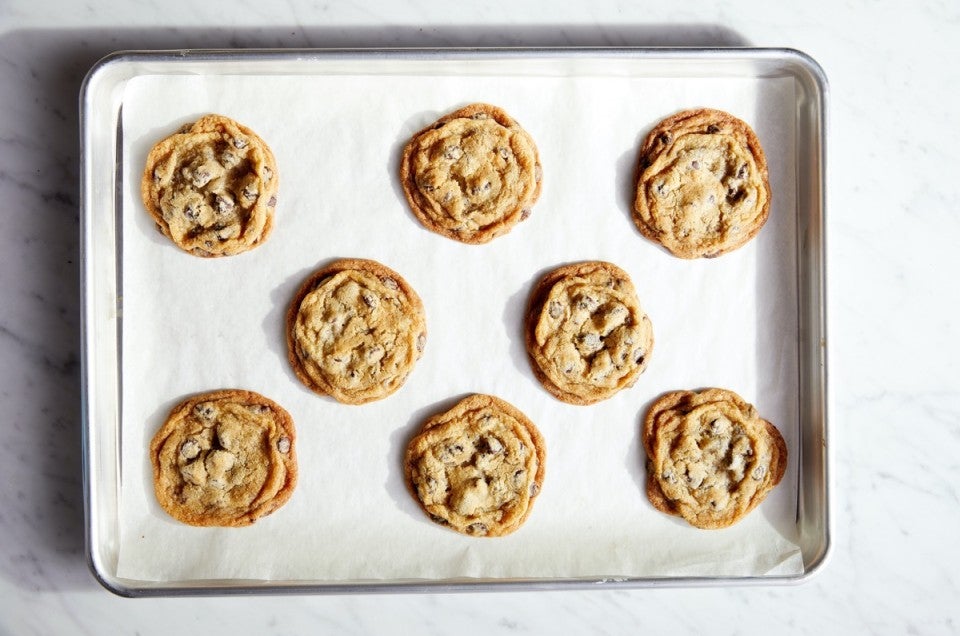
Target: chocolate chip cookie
[702,187]
[586,334]
[355,330]
[477,467]
[471,175]
[224,458]
[212,187]
[711,459]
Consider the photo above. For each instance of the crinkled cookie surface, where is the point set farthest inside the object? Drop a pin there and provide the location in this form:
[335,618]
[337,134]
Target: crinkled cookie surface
[587,336]
[224,458]
[711,459]
[212,187]
[477,467]
[702,186]
[472,175]
[355,330]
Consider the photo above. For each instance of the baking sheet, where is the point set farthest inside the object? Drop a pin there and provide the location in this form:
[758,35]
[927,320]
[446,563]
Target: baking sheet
[192,324]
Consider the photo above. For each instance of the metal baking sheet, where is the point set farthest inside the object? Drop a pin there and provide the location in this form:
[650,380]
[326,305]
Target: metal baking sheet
[113,276]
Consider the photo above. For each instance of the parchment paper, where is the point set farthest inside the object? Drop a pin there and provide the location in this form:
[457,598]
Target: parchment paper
[192,324]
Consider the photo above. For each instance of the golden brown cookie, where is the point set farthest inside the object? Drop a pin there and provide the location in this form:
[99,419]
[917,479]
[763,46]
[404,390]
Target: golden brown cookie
[702,186]
[212,187]
[586,335]
[711,459]
[224,458]
[477,467]
[471,175]
[355,329]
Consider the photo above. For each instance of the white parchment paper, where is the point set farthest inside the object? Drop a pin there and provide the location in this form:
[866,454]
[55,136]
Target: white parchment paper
[192,324]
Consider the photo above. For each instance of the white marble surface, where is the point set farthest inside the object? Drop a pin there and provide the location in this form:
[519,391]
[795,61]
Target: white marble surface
[893,223]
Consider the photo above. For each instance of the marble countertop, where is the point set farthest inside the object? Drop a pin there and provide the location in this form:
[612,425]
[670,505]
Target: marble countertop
[893,222]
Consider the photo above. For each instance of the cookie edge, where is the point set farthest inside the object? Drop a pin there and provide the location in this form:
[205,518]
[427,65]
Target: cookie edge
[648,148]
[535,304]
[205,124]
[407,181]
[470,402]
[243,396]
[312,282]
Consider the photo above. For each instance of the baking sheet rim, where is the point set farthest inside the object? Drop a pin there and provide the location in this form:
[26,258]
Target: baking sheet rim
[816,83]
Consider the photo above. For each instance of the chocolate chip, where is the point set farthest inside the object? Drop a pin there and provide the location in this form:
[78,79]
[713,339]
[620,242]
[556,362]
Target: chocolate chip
[283,445]
[374,354]
[759,472]
[223,203]
[713,128]
[272,203]
[452,153]
[488,445]
[250,192]
[742,172]
[239,143]
[191,213]
[504,153]
[534,489]
[189,449]
[205,411]
[615,314]
[481,116]
[390,283]
[695,164]
[665,138]
[639,356]
[439,519]
[370,299]
[555,309]
[267,173]
[477,528]
[588,303]
[199,177]
[227,232]
[589,343]
[525,214]
[421,342]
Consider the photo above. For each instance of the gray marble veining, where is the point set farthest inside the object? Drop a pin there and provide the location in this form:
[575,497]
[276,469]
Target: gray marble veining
[895,566]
